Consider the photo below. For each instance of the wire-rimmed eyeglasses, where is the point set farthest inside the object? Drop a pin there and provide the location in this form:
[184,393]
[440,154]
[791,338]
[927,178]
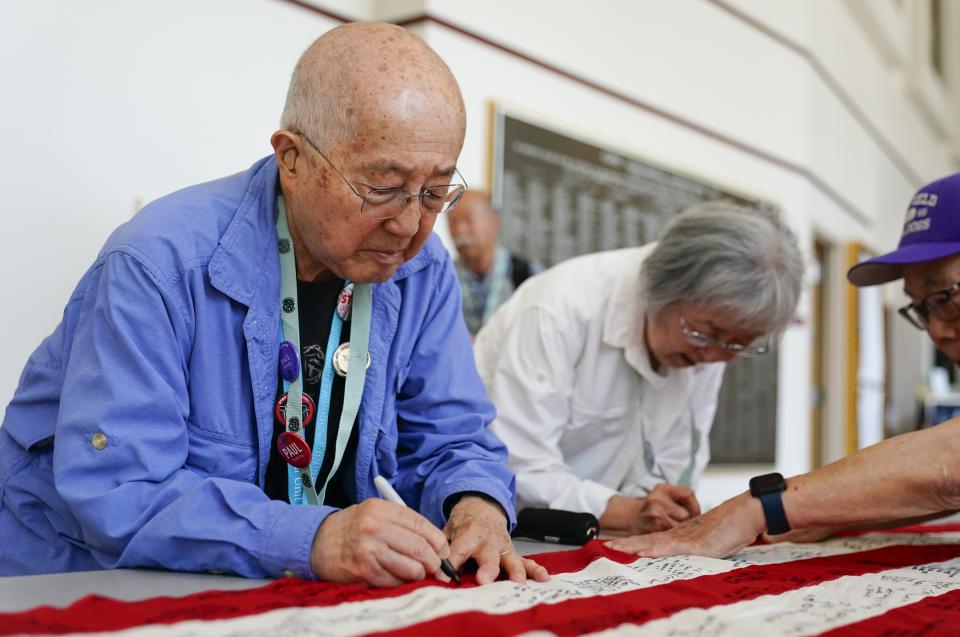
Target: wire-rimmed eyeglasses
[386,203]
[698,339]
[938,304]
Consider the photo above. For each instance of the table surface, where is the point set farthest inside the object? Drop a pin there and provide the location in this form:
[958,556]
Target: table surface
[61,589]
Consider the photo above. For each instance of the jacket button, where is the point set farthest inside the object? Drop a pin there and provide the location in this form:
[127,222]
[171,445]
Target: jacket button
[99,441]
[288,573]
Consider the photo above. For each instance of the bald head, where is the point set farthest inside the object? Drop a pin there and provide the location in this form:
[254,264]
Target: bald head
[360,74]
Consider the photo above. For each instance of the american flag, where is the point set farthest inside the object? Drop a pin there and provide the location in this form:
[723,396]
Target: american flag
[898,583]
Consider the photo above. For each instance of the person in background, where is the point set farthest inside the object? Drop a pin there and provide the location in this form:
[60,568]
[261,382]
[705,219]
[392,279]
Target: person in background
[605,369]
[152,428]
[904,479]
[488,273]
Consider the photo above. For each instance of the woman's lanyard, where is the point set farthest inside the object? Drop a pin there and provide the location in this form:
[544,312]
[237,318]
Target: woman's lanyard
[350,359]
[650,460]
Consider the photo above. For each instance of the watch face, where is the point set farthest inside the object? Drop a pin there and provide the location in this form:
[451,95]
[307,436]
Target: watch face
[767,483]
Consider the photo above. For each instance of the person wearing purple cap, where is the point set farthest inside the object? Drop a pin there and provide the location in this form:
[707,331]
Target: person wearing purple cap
[902,479]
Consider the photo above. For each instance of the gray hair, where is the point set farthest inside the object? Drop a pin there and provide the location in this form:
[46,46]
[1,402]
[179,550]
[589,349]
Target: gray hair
[742,261]
[313,109]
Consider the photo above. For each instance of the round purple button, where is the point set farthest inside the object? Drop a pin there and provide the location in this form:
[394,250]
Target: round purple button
[289,362]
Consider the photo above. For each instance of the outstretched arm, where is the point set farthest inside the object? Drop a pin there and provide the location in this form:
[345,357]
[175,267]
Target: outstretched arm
[912,475]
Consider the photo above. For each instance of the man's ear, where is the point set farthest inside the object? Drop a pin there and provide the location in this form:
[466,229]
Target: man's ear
[286,151]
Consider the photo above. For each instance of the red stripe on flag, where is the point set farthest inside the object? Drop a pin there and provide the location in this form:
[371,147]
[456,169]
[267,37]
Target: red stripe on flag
[585,615]
[913,528]
[97,613]
[930,617]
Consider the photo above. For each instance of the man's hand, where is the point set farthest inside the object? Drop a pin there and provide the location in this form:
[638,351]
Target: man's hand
[377,543]
[664,508]
[477,528]
[721,532]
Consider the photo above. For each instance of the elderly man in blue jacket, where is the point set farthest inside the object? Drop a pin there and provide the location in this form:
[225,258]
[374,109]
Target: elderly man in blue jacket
[155,427]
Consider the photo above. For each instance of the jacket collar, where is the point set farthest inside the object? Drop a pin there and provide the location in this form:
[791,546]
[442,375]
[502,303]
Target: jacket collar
[246,254]
[623,325]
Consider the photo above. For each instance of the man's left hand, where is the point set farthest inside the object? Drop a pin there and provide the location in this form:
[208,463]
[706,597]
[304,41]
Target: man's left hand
[477,528]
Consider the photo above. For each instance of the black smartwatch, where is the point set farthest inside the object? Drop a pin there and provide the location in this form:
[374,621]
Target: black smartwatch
[767,488]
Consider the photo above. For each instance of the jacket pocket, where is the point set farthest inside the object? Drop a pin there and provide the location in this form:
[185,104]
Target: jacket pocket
[31,416]
[220,455]
[598,418]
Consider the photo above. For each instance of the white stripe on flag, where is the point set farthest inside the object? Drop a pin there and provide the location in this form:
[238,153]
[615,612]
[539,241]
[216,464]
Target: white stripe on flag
[807,611]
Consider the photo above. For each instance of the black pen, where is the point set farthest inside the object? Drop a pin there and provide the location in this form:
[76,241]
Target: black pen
[389,494]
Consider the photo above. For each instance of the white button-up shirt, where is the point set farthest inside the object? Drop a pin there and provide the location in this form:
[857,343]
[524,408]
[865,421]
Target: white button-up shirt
[565,363]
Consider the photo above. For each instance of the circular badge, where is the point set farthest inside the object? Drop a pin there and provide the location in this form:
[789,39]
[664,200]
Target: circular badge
[293,449]
[341,359]
[289,362]
[308,408]
[289,304]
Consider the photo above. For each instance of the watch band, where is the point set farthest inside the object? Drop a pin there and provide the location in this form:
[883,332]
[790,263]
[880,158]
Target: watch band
[773,511]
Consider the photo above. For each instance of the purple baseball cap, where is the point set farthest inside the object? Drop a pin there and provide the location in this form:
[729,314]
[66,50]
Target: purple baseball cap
[931,231]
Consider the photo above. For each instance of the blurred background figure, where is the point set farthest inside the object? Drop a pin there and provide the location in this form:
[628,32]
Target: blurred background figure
[488,273]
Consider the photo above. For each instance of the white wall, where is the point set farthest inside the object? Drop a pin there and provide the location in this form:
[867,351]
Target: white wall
[107,103]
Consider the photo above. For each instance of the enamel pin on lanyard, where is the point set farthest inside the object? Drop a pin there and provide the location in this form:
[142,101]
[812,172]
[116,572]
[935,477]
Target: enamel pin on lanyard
[350,360]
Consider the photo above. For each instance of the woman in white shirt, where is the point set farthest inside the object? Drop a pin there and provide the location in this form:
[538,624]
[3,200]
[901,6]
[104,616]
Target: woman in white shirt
[605,369]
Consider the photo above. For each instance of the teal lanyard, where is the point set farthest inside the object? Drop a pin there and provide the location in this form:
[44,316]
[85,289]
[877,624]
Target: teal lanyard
[302,482]
[498,281]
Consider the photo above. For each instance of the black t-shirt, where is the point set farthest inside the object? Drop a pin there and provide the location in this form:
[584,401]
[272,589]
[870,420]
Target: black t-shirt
[318,302]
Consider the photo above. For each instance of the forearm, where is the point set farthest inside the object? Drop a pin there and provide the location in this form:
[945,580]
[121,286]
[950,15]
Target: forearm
[204,524]
[909,476]
[896,523]
[561,489]
[429,484]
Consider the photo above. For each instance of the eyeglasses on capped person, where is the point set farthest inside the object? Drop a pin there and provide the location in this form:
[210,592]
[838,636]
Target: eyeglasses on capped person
[758,347]
[386,203]
[939,305]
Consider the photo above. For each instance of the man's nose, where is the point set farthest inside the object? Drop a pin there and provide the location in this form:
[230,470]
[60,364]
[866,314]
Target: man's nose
[407,223]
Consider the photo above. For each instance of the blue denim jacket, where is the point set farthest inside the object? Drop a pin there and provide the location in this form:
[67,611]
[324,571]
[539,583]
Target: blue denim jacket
[167,355]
